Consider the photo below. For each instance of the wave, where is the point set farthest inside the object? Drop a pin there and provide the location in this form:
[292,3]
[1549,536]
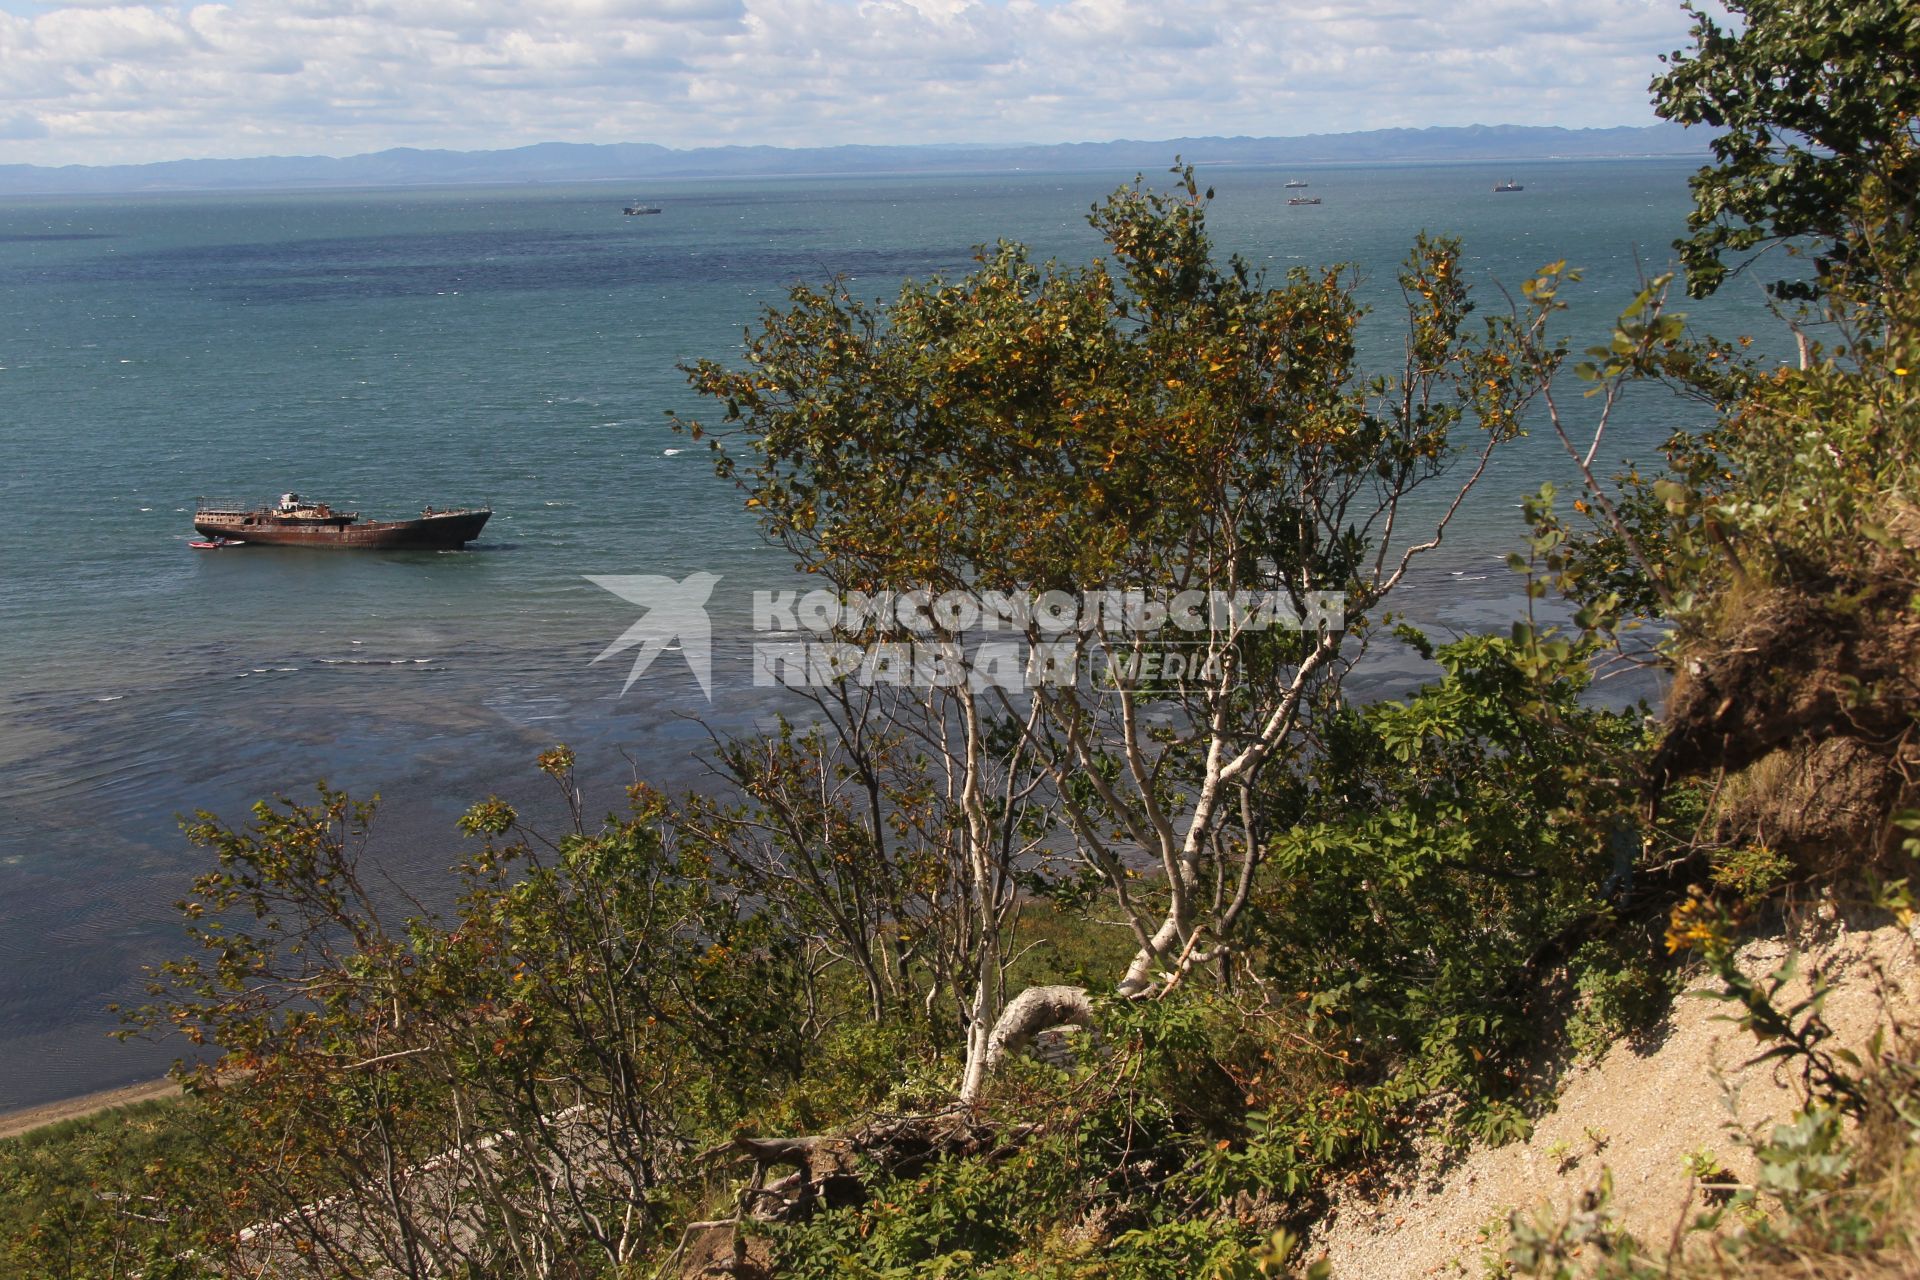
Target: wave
[369,662]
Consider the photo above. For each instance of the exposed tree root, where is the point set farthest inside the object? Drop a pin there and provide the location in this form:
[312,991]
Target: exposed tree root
[1797,669]
[830,1171]
[1807,707]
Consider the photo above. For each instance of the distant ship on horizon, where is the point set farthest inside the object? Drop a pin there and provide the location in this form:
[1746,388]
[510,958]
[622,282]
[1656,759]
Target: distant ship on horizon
[1508,185]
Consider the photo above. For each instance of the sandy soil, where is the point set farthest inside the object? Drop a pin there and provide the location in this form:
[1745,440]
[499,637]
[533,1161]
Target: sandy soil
[14,1123]
[1640,1111]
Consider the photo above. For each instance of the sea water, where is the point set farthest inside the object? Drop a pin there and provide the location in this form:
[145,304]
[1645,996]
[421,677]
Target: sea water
[383,350]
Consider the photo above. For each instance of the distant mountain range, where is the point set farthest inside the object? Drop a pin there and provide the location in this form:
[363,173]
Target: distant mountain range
[639,161]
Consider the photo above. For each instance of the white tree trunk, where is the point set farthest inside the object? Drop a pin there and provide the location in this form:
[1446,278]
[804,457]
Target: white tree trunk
[1026,1015]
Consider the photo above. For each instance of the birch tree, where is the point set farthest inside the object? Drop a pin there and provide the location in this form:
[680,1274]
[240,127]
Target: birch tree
[1153,427]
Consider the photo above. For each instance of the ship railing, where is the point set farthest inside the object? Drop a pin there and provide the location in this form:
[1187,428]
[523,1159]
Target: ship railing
[226,506]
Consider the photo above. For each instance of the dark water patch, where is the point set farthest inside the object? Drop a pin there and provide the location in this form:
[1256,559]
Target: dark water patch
[622,272]
[427,265]
[41,237]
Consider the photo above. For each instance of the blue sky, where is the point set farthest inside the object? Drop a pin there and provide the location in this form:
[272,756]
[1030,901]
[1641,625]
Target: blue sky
[106,83]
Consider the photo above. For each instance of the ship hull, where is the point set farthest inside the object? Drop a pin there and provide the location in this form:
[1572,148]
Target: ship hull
[446,532]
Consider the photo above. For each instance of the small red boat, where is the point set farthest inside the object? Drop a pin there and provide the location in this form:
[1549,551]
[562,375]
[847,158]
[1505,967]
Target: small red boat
[214,544]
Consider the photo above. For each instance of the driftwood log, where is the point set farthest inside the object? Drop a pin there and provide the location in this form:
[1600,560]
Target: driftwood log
[829,1171]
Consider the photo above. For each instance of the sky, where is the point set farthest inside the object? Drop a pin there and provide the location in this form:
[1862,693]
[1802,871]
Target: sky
[105,83]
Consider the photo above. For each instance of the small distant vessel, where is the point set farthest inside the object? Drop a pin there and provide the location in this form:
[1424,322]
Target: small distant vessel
[214,544]
[1294,183]
[298,522]
[635,210]
[1508,185]
[1304,200]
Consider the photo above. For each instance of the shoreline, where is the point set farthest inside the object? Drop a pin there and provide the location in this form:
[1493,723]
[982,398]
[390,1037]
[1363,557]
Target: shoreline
[15,1123]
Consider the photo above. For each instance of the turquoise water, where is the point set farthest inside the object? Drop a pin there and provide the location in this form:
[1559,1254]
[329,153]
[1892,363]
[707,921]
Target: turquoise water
[386,350]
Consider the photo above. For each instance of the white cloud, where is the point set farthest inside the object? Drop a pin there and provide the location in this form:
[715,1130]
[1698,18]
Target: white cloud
[106,83]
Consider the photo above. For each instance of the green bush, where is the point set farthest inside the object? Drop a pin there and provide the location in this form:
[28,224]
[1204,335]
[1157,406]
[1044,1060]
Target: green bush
[1620,991]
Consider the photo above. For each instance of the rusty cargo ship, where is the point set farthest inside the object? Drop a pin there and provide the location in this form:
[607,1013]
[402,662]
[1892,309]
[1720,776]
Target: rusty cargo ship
[299,522]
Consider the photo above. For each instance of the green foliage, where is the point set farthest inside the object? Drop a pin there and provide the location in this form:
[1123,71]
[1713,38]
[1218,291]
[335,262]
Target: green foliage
[1494,1122]
[1064,938]
[846,838]
[1806,1159]
[1123,422]
[1479,822]
[1701,1164]
[579,1020]
[1817,101]
[958,1217]
[1161,421]
[1132,1165]
[1750,872]
[1548,1245]
[1804,481]
[1618,992]
[1801,490]
[85,1195]
[859,1067]
[1796,1034]
[1189,1248]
